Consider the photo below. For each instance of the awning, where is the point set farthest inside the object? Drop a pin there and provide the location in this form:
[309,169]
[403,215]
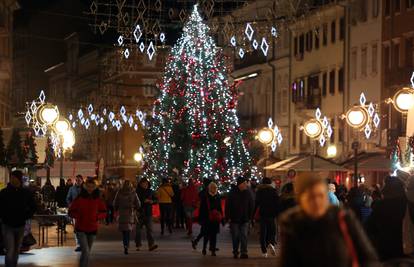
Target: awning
[303,163]
[370,162]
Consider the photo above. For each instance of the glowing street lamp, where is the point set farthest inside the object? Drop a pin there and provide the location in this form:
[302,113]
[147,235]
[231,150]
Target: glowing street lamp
[331,151]
[313,128]
[138,157]
[265,136]
[61,126]
[48,114]
[270,135]
[403,100]
[68,140]
[357,117]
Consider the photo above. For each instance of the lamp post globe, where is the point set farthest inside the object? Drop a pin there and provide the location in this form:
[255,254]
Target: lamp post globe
[61,126]
[266,136]
[138,157]
[48,114]
[357,117]
[404,100]
[331,151]
[68,139]
[313,128]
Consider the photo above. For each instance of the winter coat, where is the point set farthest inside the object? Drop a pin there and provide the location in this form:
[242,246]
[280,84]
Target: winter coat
[16,206]
[144,194]
[127,204]
[48,193]
[320,243]
[87,210]
[239,206]
[189,196]
[333,199]
[60,196]
[109,196]
[384,227]
[267,201]
[215,204]
[286,202]
[73,193]
[165,194]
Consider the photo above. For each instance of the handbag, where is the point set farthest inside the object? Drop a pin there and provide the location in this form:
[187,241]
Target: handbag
[348,239]
[213,214]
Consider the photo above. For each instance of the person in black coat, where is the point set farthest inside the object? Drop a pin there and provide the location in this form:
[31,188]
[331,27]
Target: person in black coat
[17,204]
[209,203]
[147,198]
[287,198]
[384,226]
[316,234]
[61,193]
[239,212]
[267,202]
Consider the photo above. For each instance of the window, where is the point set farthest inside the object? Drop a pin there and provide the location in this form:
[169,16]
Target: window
[333,32]
[374,63]
[354,57]
[301,44]
[295,45]
[307,45]
[409,52]
[387,9]
[279,102]
[364,61]
[375,8]
[294,135]
[387,61]
[332,139]
[397,6]
[324,83]
[294,92]
[341,28]
[410,3]
[341,80]
[310,41]
[396,55]
[332,82]
[284,100]
[316,38]
[325,34]
[341,126]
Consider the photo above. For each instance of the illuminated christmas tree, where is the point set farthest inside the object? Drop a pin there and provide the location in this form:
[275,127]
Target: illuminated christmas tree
[194,131]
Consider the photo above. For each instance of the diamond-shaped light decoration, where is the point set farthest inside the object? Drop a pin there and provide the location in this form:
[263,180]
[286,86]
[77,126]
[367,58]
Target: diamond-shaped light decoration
[90,108]
[140,115]
[325,121]
[87,124]
[43,130]
[111,116]
[270,123]
[130,121]
[93,117]
[70,117]
[255,44]
[376,120]
[118,125]
[273,146]
[367,131]
[322,140]
[264,46]
[142,47]
[276,130]
[412,80]
[137,33]
[120,40]
[233,41]
[362,99]
[125,118]
[42,97]
[105,127]
[249,31]
[97,121]
[33,107]
[104,111]
[279,138]
[136,127]
[371,109]
[162,37]
[102,120]
[28,117]
[73,124]
[329,131]
[273,31]
[82,121]
[318,113]
[241,53]
[122,110]
[80,114]
[150,50]
[126,53]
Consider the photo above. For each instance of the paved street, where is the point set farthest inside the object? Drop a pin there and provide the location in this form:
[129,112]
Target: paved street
[175,250]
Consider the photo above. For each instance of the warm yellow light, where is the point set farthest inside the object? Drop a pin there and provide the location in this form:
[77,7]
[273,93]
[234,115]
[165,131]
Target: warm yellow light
[68,139]
[313,128]
[331,151]
[48,114]
[62,126]
[266,136]
[138,157]
[404,100]
[357,117]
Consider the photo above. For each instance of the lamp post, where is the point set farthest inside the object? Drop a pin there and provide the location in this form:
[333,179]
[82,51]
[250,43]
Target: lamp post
[403,101]
[361,117]
[66,139]
[270,135]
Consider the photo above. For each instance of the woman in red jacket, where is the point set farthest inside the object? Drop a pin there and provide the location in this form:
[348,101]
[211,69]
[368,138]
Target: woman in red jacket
[87,209]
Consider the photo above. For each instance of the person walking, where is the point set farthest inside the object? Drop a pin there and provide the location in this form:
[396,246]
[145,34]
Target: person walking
[61,194]
[147,199]
[17,204]
[210,217]
[178,209]
[48,192]
[109,196]
[73,193]
[190,200]
[126,203]
[317,234]
[165,196]
[239,211]
[267,205]
[194,242]
[87,209]
[385,224]
[287,198]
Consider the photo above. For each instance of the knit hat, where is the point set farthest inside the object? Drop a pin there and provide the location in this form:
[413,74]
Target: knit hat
[304,181]
[241,180]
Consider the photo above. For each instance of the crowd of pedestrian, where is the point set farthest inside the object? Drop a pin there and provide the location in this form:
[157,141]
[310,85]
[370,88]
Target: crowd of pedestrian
[314,221]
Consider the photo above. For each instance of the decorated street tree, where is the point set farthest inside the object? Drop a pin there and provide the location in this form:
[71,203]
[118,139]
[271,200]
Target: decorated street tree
[30,149]
[194,130]
[15,153]
[3,154]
